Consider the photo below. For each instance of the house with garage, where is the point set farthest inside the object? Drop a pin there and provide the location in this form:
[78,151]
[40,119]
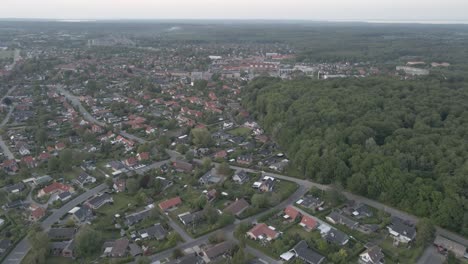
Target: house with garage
[154,232]
[83,178]
[262,231]
[401,231]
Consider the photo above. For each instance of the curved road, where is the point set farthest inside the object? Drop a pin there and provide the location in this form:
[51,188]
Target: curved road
[22,248]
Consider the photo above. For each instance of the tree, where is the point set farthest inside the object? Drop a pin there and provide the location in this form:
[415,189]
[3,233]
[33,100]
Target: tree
[177,253]
[189,156]
[259,200]
[239,257]
[224,169]
[451,259]
[132,186]
[425,232]
[206,164]
[66,160]
[88,242]
[39,243]
[201,137]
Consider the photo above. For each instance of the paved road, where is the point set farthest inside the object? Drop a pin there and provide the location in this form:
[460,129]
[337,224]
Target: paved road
[22,248]
[431,256]
[76,103]
[361,199]
[155,165]
[3,145]
[228,230]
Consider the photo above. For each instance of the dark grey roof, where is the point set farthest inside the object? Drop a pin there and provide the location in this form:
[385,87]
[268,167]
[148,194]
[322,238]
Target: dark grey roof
[18,186]
[402,228]
[308,255]
[375,254]
[84,213]
[157,231]
[100,200]
[191,217]
[341,219]
[137,217]
[135,250]
[337,237]
[310,201]
[243,176]
[218,249]
[63,195]
[61,233]
[82,177]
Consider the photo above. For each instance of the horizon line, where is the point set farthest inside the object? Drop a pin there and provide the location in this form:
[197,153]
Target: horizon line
[370,21]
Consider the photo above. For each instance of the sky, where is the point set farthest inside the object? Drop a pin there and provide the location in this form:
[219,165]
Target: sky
[362,10]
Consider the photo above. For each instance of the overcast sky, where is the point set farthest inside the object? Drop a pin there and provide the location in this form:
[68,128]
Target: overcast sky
[238,9]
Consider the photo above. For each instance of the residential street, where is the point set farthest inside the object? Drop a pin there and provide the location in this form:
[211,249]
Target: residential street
[304,185]
[22,248]
[6,150]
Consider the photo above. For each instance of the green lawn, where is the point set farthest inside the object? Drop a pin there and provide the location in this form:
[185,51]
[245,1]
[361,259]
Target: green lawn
[240,131]
[5,54]
[400,254]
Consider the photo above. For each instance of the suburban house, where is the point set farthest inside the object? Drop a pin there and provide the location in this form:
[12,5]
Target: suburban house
[117,248]
[62,248]
[262,232]
[15,188]
[310,201]
[182,166]
[244,159]
[83,179]
[217,251]
[337,237]
[337,218]
[267,185]
[189,218]
[61,233]
[401,231]
[119,185]
[304,253]
[155,232]
[169,204]
[372,255]
[241,177]
[309,223]
[291,213]
[37,214]
[99,200]
[81,214]
[165,183]
[53,188]
[237,207]
[209,178]
[137,217]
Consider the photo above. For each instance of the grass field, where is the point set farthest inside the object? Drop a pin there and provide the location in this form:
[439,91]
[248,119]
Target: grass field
[5,54]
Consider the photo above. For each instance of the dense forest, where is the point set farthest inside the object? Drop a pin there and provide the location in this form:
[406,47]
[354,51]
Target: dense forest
[404,143]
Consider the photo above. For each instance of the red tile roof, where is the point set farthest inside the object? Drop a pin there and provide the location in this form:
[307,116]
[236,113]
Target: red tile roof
[263,230]
[38,213]
[309,222]
[56,186]
[170,203]
[291,212]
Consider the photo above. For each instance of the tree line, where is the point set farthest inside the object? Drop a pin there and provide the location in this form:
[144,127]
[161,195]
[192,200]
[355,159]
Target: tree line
[403,143]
